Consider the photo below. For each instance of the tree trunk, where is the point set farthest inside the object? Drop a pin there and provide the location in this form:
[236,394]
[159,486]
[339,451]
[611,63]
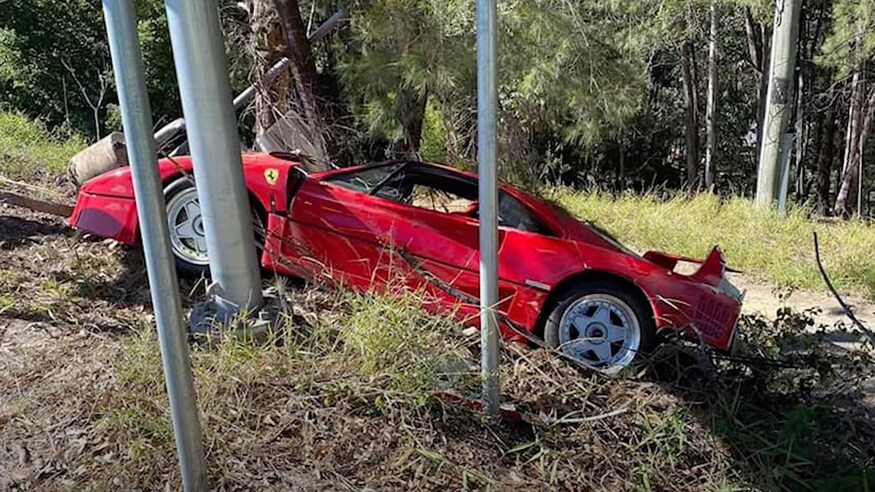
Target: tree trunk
[754,40]
[826,155]
[868,116]
[759,49]
[711,104]
[846,199]
[410,106]
[303,64]
[691,103]
[304,73]
[622,180]
[267,41]
[801,139]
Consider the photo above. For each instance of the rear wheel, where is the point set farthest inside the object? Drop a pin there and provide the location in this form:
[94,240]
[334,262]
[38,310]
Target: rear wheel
[188,243]
[602,325]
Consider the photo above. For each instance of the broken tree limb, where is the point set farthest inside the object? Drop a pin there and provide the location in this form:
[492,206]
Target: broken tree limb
[167,132]
[842,303]
[35,205]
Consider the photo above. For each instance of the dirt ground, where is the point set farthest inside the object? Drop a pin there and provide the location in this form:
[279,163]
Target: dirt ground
[764,299]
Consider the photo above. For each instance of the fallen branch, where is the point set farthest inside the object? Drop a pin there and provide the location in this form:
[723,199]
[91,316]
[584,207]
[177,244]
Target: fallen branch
[835,293]
[593,418]
[36,205]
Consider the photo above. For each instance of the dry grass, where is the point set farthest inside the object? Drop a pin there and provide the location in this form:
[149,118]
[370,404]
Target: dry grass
[314,408]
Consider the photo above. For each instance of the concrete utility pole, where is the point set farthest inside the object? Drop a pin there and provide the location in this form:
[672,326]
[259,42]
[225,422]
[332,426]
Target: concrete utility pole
[487,104]
[779,98]
[202,71]
[130,78]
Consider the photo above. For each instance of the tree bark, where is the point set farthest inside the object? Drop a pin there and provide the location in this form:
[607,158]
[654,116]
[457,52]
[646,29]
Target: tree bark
[691,103]
[801,139]
[846,199]
[622,180]
[754,40]
[410,106]
[300,53]
[267,41]
[305,75]
[711,104]
[868,116]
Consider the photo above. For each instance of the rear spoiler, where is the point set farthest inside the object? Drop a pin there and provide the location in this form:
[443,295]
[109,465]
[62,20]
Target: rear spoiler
[711,271]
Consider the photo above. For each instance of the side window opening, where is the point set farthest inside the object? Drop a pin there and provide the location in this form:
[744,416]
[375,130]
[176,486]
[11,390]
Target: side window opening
[438,191]
[424,196]
[513,214]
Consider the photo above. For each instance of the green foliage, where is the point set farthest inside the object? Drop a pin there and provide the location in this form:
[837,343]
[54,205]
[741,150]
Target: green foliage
[52,60]
[562,69]
[390,336]
[28,148]
[405,47]
[759,242]
[593,88]
[852,38]
[55,63]
[434,142]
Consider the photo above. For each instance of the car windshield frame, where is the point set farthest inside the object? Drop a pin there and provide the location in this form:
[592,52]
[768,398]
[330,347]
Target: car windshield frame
[351,179]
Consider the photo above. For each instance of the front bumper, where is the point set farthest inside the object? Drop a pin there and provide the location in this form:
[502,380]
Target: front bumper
[106,216]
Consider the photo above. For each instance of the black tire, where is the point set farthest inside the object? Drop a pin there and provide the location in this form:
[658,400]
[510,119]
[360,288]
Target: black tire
[602,292]
[182,189]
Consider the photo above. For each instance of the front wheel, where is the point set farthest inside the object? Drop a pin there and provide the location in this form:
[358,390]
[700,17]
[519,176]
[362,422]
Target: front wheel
[602,325]
[188,242]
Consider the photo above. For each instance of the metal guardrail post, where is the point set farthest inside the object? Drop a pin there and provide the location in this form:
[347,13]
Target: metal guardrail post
[487,103]
[127,61]
[202,71]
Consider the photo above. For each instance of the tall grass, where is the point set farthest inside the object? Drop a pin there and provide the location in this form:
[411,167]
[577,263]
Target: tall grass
[353,393]
[27,147]
[760,242]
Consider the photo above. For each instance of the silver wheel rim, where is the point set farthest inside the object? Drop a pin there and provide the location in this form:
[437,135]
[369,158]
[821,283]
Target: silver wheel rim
[601,331]
[187,237]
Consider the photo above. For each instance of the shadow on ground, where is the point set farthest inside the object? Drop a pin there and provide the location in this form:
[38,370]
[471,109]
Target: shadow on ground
[17,232]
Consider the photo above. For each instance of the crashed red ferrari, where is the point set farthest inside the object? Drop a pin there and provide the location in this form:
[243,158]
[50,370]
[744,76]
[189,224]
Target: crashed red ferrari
[415,224]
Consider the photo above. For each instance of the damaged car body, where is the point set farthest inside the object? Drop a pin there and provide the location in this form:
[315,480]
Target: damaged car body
[414,225]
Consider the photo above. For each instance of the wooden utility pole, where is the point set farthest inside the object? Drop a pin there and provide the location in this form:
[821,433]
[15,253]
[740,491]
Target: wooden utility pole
[780,99]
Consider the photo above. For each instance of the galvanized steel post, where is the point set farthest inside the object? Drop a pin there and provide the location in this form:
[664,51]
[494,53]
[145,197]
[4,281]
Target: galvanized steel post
[127,61]
[487,103]
[202,71]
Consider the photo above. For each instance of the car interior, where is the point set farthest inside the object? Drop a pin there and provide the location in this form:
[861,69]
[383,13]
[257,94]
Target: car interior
[434,188]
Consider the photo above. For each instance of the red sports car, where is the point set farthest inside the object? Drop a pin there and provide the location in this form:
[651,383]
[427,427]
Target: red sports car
[414,224]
